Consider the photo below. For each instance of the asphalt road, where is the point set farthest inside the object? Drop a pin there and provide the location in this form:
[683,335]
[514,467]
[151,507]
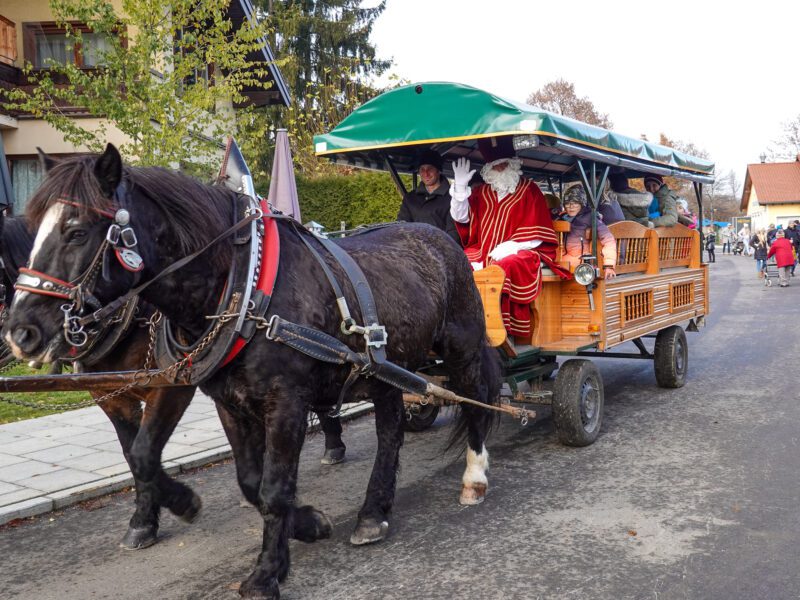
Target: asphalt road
[689,493]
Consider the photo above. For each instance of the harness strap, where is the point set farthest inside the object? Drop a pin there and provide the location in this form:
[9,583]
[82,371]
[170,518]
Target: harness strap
[115,305]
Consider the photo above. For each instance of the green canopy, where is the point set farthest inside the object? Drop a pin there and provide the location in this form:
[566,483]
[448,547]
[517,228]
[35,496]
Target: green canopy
[451,117]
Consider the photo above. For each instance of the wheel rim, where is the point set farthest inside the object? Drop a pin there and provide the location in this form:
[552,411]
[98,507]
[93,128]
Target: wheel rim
[590,403]
[680,357]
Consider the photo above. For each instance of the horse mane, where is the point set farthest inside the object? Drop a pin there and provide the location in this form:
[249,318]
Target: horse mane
[196,212]
[16,244]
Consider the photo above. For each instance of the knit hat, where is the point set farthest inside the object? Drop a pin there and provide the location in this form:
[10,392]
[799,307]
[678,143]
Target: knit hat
[430,157]
[495,148]
[654,179]
[575,193]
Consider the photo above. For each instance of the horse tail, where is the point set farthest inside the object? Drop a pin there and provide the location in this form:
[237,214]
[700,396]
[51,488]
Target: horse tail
[482,420]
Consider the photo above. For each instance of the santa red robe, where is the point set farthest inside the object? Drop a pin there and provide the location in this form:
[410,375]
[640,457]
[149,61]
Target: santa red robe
[521,216]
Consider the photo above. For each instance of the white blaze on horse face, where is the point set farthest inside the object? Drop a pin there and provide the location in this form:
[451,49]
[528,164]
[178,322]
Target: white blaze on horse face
[51,220]
[474,482]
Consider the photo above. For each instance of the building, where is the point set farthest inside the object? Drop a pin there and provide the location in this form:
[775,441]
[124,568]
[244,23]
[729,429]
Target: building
[28,34]
[771,193]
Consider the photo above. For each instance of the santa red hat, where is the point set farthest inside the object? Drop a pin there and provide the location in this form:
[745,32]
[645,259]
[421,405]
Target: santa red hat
[495,148]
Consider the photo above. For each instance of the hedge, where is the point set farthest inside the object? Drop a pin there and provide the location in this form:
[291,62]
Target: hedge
[359,198]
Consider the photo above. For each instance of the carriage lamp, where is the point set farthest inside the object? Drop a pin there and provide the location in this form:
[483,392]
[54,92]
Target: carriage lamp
[523,142]
[585,273]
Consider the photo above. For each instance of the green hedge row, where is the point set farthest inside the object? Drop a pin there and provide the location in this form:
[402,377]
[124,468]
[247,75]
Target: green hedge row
[357,199]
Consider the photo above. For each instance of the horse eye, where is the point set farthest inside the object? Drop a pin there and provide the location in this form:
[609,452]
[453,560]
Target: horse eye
[76,236]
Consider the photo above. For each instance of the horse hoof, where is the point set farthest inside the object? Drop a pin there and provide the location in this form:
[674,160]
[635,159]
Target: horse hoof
[333,456]
[260,590]
[191,513]
[369,532]
[137,538]
[311,525]
[473,494]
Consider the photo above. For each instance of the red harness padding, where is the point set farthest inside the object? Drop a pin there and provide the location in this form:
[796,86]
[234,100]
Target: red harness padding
[270,258]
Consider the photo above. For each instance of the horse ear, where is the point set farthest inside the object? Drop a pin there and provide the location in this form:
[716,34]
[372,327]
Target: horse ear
[108,170]
[46,160]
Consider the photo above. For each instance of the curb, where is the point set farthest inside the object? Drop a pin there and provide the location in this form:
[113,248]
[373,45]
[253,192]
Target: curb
[63,498]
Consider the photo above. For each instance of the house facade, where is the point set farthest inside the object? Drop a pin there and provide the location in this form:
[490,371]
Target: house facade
[771,193]
[29,34]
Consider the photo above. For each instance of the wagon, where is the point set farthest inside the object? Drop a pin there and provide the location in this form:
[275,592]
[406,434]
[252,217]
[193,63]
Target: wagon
[662,286]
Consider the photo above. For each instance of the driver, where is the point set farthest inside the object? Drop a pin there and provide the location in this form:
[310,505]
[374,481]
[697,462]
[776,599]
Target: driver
[505,221]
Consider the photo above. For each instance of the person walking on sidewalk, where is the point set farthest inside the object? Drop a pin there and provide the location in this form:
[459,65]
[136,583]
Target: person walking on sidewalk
[710,247]
[727,238]
[784,256]
[759,244]
[793,235]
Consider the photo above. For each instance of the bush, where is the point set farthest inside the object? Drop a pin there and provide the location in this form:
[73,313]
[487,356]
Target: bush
[359,198]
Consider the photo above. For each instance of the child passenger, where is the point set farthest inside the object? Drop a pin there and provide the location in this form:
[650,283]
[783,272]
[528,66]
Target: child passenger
[580,217]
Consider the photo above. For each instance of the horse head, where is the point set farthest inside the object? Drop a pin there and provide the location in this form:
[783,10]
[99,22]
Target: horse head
[102,227]
[69,273]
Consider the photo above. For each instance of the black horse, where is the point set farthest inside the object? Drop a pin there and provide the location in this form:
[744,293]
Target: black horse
[423,288]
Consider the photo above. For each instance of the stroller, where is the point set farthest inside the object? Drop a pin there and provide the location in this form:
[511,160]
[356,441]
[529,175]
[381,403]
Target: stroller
[770,270]
[737,247]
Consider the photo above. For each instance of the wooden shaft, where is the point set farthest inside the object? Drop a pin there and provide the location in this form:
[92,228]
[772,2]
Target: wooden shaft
[72,382]
[451,398]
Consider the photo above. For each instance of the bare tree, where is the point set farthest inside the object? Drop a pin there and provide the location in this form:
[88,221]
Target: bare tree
[559,97]
[787,146]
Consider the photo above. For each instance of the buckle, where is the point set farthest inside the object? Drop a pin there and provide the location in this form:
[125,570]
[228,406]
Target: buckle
[273,321]
[128,237]
[113,233]
[375,335]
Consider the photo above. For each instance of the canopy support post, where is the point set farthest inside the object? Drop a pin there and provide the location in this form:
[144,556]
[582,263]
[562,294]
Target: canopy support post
[398,183]
[698,192]
[594,191]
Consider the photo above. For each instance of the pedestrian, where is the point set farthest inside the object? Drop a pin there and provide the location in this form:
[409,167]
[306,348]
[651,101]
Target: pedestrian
[710,248]
[784,256]
[744,237]
[793,235]
[727,237]
[759,244]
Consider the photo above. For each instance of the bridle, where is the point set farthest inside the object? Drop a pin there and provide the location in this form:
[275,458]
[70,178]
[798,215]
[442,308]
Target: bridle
[83,308]
[121,238]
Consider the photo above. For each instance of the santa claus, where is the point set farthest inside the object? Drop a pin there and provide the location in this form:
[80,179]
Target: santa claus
[505,221]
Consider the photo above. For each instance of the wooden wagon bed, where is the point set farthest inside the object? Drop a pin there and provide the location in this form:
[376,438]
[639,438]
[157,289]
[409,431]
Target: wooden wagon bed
[660,282]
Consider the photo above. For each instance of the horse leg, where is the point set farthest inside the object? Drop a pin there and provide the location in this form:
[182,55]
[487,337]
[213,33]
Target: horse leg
[246,437]
[478,378]
[154,488]
[285,430]
[373,518]
[334,446]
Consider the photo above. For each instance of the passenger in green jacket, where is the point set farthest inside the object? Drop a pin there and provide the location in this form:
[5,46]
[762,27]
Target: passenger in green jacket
[667,201]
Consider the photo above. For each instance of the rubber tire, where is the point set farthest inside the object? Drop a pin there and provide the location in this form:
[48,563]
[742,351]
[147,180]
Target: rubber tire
[575,379]
[422,420]
[671,357]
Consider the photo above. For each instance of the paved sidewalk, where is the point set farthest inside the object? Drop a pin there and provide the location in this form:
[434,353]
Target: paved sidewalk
[51,462]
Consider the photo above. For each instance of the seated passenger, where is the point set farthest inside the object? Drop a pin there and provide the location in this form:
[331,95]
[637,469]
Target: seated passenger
[505,221]
[667,214]
[685,216]
[609,206]
[430,202]
[634,203]
[580,217]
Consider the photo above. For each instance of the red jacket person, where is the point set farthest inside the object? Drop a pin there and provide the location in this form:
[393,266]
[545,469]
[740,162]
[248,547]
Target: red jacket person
[505,221]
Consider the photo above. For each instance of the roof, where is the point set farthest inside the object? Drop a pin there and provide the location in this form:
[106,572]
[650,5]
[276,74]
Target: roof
[239,11]
[775,183]
[451,117]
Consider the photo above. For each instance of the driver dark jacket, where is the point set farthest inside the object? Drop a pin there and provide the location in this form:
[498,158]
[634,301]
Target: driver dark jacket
[433,208]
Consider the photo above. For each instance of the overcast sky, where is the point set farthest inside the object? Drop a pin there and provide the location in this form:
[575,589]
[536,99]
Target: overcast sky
[721,75]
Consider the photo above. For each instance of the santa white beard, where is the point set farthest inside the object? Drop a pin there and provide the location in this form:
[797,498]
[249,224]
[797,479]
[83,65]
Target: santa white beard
[506,181]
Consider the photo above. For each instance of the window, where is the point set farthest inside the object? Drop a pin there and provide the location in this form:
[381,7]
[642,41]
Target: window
[26,175]
[46,42]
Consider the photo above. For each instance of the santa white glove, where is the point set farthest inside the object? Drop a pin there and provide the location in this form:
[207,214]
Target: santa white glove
[462,174]
[505,249]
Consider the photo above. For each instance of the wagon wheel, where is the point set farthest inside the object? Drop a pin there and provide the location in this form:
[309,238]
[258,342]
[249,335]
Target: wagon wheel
[578,400]
[420,417]
[671,355]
